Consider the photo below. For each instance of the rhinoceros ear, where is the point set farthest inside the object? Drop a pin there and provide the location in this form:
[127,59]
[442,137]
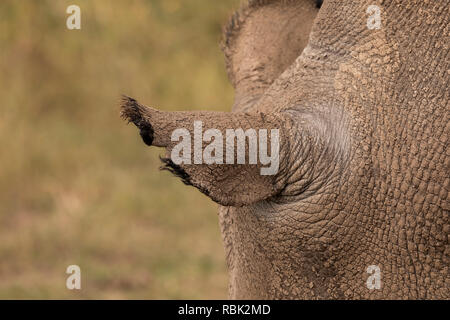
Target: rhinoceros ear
[261,40]
[209,150]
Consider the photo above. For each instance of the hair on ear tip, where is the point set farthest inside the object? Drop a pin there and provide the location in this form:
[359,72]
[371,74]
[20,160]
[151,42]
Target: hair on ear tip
[176,170]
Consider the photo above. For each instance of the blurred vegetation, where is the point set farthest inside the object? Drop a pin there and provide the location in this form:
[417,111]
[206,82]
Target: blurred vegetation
[77,186]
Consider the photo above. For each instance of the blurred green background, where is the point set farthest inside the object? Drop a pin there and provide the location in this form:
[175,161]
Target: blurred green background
[77,185]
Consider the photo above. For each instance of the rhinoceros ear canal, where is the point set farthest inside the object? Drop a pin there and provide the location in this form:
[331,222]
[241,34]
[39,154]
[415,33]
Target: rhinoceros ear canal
[319,3]
[261,40]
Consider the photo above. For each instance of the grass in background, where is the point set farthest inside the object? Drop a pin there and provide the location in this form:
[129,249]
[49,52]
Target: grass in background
[77,186]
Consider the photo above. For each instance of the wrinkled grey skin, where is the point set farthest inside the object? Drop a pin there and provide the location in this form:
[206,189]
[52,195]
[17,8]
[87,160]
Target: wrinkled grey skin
[364,160]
